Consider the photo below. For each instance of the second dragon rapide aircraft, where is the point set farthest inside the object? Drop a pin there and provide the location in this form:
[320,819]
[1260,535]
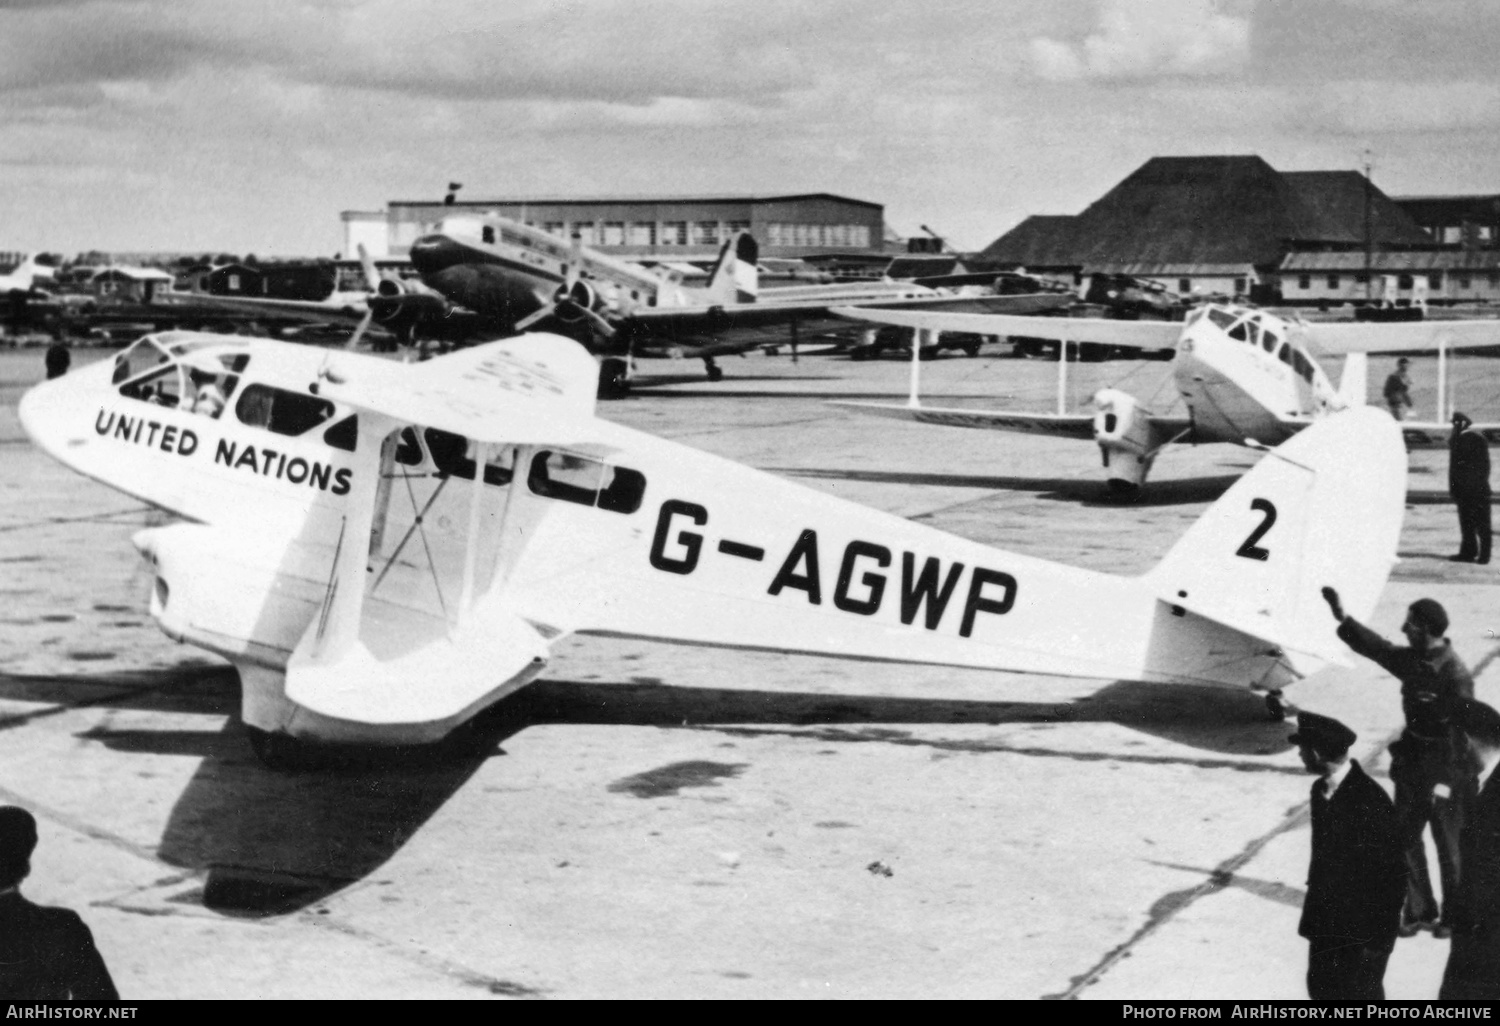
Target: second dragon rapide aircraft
[1245,375]
[383,550]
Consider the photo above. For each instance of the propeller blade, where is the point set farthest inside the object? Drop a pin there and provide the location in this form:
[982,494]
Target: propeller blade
[575,265]
[372,276]
[359,332]
[533,318]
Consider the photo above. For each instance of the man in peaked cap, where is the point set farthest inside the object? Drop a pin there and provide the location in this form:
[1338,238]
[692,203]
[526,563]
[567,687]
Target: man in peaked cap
[46,954]
[1469,484]
[1434,684]
[1356,878]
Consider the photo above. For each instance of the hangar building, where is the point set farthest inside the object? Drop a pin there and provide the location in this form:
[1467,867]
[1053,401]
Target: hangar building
[661,228]
[1215,224]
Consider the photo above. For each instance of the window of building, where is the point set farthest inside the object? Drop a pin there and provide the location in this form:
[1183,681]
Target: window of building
[1493,277]
[1465,282]
[775,236]
[674,233]
[1452,235]
[281,412]
[1361,279]
[705,233]
[613,234]
[1239,286]
[558,228]
[1486,233]
[1435,281]
[1333,281]
[641,233]
[1304,281]
[1184,285]
[585,232]
[730,227]
[861,236]
[1403,282]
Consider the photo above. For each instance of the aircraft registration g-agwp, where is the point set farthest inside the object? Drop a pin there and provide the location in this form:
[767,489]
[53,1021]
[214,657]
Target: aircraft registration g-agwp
[382,550]
[1246,376]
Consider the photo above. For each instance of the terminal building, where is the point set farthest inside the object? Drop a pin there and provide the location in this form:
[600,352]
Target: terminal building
[656,228]
[1233,225]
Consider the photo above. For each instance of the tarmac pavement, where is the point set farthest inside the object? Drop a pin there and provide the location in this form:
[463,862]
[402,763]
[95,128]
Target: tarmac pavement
[657,821]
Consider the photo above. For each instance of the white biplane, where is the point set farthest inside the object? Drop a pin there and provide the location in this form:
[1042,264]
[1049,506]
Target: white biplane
[1245,375]
[382,550]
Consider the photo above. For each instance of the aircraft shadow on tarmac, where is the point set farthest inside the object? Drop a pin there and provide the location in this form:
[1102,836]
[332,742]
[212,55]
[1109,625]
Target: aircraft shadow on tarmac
[1088,492]
[272,843]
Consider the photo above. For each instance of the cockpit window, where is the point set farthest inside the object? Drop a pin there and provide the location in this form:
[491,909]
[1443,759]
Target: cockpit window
[1223,318]
[573,478]
[1269,341]
[455,455]
[136,360]
[1302,364]
[280,411]
[162,387]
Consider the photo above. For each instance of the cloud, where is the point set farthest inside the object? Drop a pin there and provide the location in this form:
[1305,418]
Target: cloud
[1148,39]
[1369,107]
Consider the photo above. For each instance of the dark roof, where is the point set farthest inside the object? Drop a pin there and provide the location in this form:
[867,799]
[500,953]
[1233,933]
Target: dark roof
[1042,240]
[1334,205]
[1207,210]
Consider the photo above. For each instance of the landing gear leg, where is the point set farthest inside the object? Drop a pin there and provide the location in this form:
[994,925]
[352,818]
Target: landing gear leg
[715,373]
[1275,706]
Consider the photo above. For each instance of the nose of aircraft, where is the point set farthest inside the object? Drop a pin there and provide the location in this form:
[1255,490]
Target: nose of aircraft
[56,414]
[433,253]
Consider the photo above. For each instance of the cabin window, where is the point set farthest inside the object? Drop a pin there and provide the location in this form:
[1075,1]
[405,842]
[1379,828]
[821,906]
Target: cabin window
[571,478]
[163,387]
[453,455]
[1333,281]
[343,435]
[281,412]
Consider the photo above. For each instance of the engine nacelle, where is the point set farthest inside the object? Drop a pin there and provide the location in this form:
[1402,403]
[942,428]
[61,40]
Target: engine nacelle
[572,302]
[1122,427]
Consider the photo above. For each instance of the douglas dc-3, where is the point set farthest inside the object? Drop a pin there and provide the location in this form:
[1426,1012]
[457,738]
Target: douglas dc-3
[382,550]
[1245,375]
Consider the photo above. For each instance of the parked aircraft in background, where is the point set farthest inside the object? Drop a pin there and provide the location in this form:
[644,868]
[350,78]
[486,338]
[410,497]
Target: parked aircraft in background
[23,278]
[383,550]
[1246,376]
[517,277]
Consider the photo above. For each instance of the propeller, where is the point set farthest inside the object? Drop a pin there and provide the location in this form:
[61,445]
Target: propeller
[372,281]
[573,300]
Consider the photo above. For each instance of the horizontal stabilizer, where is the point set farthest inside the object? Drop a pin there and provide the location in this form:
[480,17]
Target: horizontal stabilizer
[1133,334]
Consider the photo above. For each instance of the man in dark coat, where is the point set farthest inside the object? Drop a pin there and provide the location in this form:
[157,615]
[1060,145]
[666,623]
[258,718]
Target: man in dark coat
[1434,684]
[1398,389]
[46,954]
[1469,484]
[1473,972]
[1356,879]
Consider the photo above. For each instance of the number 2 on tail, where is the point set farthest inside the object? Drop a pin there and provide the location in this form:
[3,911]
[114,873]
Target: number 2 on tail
[1249,549]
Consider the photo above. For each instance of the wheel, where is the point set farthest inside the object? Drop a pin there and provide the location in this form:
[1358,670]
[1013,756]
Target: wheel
[971,349]
[715,372]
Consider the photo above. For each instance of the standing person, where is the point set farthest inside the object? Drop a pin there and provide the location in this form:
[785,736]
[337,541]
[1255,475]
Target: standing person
[1356,878]
[1398,390]
[46,954]
[1434,685]
[1473,972]
[1469,484]
[57,359]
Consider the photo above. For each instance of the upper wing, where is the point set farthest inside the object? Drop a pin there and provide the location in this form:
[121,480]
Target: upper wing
[1067,425]
[531,389]
[1135,334]
[707,331]
[1404,336]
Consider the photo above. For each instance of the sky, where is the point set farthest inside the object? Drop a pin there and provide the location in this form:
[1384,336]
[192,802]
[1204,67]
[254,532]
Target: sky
[248,126]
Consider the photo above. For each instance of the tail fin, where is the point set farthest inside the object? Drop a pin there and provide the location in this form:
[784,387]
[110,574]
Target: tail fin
[1355,382]
[1324,508]
[736,276]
